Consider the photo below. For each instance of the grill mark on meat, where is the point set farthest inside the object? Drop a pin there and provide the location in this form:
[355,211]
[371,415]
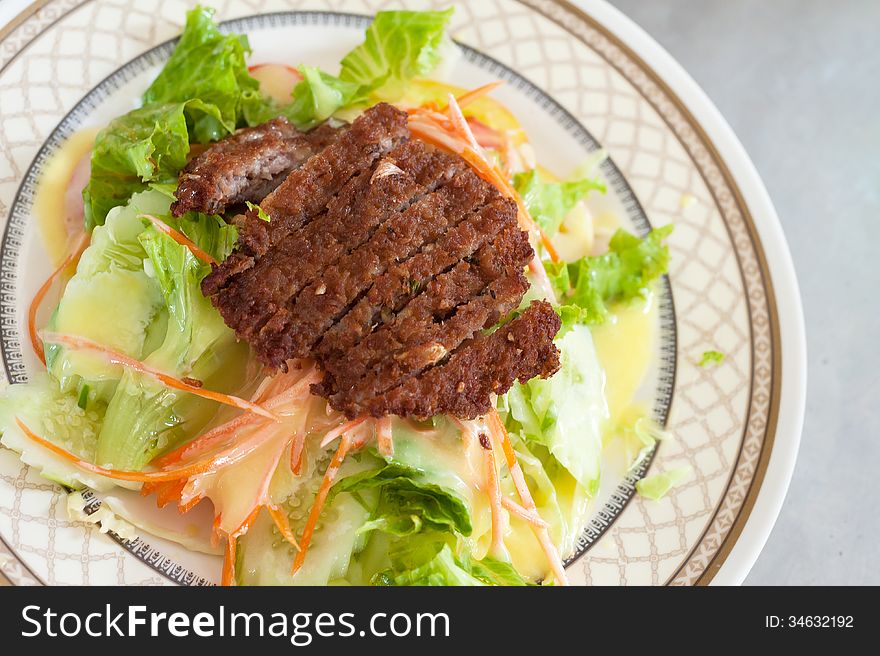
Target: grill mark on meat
[484,365]
[245,166]
[454,306]
[399,238]
[306,192]
[383,259]
[352,218]
[403,282]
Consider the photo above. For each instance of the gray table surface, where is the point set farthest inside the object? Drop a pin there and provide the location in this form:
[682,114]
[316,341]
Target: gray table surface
[799,82]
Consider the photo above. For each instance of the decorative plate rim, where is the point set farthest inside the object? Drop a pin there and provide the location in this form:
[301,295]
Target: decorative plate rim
[755,518]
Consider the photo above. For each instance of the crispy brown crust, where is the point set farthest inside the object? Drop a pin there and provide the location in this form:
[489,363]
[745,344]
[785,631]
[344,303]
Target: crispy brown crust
[245,166]
[454,306]
[325,300]
[308,190]
[352,217]
[486,365]
[405,280]
[384,260]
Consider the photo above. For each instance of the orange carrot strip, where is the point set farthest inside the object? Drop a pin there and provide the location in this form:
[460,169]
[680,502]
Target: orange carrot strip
[497,426]
[320,499]
[168,491]
[296,452]
[215,531]
[522,513]
[461,125]
[73,257]
[204,441]
[114,357]
[519,481]
[383,436]
[189,505]
[207,440]
[179,237]
[339,430]
[247,523]
[475,94]
[494,489]
[548,245]
[282,523]
[228,577]
[197,467]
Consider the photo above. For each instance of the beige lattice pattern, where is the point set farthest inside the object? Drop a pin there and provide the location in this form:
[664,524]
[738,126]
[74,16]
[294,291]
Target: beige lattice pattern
[718,415]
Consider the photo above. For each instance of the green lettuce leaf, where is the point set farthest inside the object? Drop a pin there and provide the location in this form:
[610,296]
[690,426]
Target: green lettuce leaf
[111,300]
[211,67]
[209,232]
[203,93]
[549,202]
[318,96]
[55,416]
[492,571]
[399,46]
[145,417]
[563,412]
[429,560]
[408,502]
[586,287]
[655,487]
[711,358]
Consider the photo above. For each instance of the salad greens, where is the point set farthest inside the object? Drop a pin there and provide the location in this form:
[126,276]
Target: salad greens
[564,413]
[204,93]
[418,516]
[657,486]
[588,286]
[144,416]
[408,501]
[399,46]
[711,358]
[549,202]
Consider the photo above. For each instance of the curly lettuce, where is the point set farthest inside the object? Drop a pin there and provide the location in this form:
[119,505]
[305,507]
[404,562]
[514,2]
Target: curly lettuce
[549,202]
[398,47]
[586,287]
[203,93]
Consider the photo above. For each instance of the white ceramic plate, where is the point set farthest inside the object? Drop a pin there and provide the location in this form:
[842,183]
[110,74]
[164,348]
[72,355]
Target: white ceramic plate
[576,80]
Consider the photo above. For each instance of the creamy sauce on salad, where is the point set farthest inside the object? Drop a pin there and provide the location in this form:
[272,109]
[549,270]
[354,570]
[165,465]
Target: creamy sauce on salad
[58,197]
[624,345]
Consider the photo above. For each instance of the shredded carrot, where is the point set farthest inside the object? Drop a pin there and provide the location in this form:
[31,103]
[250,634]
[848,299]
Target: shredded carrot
[339,430]
[179,237]
[519,481]
[189,505]
[494,490]
[218,433]
[114,357]
[204,441]
[296,452]
[282,523]
[215,530]
[461,125]
[72,258]
[475,94]
[197,467]
[383,436]
[522,513]
[247,523]
[166,491]
[320,499]
[228,577]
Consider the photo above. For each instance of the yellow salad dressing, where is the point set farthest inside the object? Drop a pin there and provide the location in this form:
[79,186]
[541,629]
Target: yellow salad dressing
[625,345]
[49,200]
